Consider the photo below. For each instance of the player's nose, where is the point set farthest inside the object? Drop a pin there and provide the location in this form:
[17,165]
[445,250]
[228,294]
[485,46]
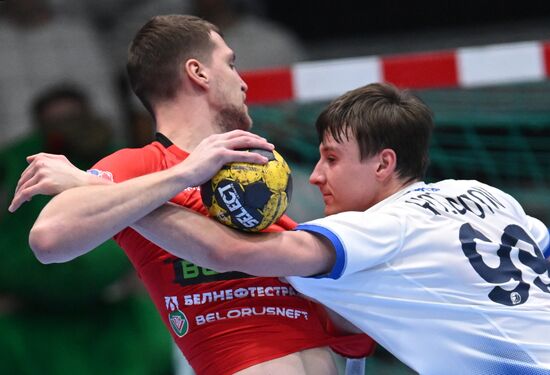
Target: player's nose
[316,177]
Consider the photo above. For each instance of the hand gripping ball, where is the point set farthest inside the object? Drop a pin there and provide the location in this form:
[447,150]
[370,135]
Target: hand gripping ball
[247,196]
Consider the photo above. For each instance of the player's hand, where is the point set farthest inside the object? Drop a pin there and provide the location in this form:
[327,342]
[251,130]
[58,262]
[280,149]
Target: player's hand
[219,149]
[47,174]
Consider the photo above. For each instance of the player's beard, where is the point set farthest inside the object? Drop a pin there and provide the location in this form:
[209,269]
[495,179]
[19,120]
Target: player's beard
[232,118]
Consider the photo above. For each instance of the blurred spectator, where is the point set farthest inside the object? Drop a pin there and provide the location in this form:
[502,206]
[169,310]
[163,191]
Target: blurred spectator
[67,124]
[257,41]
[37,51]
[87,317]
[116,22]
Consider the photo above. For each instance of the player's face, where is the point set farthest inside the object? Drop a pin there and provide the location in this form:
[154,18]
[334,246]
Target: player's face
[228,88]
[346,182]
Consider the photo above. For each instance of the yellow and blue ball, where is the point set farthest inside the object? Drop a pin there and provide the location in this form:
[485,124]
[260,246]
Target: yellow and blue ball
[247,196]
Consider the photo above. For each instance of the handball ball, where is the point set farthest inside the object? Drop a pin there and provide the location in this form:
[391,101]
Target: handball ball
[248,196]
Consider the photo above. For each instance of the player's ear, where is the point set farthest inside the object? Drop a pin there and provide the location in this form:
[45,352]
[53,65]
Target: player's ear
[196,72]
[387,163]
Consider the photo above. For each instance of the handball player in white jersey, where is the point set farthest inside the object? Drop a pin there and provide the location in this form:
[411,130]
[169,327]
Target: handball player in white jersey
[450,277]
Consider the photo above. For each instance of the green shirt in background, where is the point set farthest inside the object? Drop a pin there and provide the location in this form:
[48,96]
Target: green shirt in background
[61,322]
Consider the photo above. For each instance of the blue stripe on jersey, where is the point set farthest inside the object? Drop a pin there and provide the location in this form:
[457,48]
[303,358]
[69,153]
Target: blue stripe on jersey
[340,262]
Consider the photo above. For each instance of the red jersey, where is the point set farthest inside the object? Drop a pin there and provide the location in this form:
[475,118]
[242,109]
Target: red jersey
[222,322]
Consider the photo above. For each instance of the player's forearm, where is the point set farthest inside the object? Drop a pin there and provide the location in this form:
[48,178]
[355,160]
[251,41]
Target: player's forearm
[191,236]
[78,220]
[205,242]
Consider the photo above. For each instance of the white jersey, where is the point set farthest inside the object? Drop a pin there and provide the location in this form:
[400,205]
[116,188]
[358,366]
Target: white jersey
[450,277]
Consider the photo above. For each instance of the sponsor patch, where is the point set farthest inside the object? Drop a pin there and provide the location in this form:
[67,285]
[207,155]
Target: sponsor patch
[102,174]
[243,312]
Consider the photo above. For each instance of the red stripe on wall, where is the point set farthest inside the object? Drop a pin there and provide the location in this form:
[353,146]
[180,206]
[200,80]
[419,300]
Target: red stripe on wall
[424,70]
[546,52]
[267,86]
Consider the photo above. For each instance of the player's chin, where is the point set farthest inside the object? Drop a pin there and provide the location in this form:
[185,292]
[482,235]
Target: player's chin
[329,209]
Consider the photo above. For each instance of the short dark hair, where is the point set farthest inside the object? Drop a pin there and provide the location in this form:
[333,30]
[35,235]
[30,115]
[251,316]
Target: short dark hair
[157,51]
[380,116]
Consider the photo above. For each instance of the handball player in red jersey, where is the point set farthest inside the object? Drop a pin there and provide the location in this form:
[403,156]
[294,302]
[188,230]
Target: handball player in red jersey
[224,323]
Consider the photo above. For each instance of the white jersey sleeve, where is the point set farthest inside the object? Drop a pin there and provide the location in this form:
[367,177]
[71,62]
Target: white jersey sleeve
[346,230]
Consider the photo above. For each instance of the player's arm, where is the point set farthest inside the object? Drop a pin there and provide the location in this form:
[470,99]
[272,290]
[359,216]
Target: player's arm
[207,243]
[49,174]
[79,219]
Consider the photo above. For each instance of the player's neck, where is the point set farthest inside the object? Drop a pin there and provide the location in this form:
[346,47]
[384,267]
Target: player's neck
[393,186]
[184,124]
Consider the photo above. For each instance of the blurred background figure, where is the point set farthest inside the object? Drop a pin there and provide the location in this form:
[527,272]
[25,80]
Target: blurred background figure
[87,317]
[65,123]
[38,50]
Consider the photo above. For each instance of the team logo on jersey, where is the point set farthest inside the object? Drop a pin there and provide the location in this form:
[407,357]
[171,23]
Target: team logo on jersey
[515,297]
[179,323]
[176,317]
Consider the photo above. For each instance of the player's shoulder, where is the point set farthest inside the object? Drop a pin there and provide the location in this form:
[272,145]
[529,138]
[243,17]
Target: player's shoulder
[132,162]
[460,196]
[453,187]
[149,150]
[477,188]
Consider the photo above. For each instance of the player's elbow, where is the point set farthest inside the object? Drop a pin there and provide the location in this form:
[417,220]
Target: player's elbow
[45,244]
